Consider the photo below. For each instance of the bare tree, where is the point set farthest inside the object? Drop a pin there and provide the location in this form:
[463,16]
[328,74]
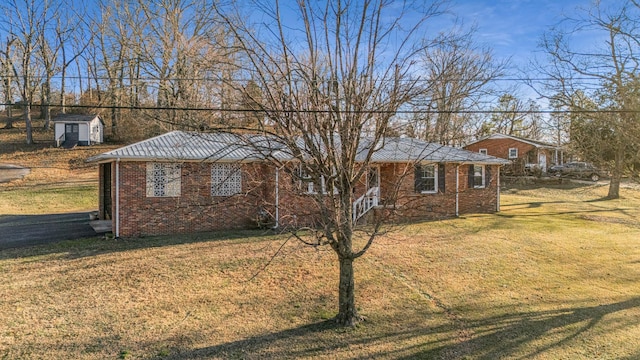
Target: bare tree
[6,63]
[344,71]
[49,46]
[611,66]
[23,21]
[460,75]
[513,116]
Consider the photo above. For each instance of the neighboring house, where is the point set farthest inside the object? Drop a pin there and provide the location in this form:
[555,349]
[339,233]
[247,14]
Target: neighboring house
[524,153]
[73,129]
[183,182]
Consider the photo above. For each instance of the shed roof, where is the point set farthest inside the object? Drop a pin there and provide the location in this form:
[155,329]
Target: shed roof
[225,147]
[75,118]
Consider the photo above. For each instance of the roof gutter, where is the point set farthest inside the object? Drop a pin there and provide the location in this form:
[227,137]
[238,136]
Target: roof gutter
[457,190]
[117,215]
[277,200]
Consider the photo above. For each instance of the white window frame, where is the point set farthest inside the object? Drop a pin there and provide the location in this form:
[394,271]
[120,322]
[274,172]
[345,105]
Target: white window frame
[308,186]
[435,178]
[226,179]
[515,153]
[483,175]
[483,151]
[163,179]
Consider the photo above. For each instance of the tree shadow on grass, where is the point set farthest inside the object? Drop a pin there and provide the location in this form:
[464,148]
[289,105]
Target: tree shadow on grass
[519,335]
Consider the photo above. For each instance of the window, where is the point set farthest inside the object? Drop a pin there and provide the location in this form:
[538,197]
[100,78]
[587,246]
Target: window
[483,151]
[163,180]
[426,178]
[513,153]
[478,176]
[310,185]
[226,179]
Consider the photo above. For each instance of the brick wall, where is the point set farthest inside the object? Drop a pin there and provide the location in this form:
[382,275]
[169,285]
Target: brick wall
[196,210]
[500,147]
[410,205]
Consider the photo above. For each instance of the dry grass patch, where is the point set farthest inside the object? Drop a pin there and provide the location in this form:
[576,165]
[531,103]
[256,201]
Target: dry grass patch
[540,280]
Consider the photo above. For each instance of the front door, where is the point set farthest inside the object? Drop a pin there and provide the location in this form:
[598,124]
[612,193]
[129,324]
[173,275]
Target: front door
[373,179]
[542,162]
[71,132]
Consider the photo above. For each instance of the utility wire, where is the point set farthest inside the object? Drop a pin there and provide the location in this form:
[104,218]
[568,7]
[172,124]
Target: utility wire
[310,111]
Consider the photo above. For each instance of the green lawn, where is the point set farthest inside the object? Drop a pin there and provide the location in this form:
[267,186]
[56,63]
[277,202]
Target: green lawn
[48,199]
[555,275]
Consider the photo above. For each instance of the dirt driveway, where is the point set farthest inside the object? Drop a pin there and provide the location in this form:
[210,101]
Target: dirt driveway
[27,230]
[10,172]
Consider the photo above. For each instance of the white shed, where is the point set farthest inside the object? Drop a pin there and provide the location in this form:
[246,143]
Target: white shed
[74,129]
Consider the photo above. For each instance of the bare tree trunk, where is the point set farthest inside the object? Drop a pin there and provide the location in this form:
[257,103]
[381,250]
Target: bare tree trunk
[27,120]
[347,312]
[46,103]
[616,174]
[8,102]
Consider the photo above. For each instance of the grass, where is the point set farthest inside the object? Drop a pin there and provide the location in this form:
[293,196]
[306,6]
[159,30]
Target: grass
[554,275]
[60,180]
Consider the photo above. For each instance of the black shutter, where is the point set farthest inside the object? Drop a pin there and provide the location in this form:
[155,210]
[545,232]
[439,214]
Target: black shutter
[487,173]
[471,183]
[418,183]
[441,177]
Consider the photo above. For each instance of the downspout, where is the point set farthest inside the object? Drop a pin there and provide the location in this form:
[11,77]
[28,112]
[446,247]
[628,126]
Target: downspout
[498,197]
[117,217]
[277,201]
[457,189]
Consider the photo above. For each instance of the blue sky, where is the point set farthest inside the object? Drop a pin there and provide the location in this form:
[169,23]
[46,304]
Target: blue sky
[513,28]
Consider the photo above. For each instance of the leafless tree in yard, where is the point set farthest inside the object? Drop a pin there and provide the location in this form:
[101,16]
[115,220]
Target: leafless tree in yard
[343,70]
[606,73]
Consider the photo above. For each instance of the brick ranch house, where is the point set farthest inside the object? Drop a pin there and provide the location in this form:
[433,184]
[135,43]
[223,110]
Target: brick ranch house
[184,182]
[521,152]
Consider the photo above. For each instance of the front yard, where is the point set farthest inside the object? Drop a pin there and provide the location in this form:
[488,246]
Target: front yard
[555,275]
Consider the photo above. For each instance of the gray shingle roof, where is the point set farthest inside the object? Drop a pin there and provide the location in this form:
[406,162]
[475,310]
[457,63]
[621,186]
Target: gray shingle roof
[224,147]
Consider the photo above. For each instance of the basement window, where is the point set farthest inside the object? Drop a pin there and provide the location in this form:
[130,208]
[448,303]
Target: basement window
[226,179]
[163,180]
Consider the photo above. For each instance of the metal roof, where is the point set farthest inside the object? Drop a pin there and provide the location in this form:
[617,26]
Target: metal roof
[225,147]
[74,118]
[536,143]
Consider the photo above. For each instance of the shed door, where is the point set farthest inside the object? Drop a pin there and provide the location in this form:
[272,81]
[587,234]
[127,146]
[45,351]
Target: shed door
[71,132]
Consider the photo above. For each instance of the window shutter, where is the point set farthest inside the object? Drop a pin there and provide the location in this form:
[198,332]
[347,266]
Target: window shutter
[441,177]
[487,174]
[470,176]
[417,174]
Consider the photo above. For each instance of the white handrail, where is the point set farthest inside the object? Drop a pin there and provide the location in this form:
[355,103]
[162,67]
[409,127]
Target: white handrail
[60,140]
[364,203]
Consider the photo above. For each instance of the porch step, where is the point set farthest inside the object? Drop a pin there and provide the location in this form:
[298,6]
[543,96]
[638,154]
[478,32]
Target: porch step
[69,144]
[101,226]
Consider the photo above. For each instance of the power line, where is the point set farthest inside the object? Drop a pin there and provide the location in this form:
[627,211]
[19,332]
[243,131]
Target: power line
[220,79]
[311,111]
